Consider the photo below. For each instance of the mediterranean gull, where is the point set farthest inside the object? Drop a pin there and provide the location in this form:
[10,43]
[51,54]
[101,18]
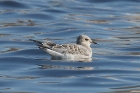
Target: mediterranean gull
[80,50]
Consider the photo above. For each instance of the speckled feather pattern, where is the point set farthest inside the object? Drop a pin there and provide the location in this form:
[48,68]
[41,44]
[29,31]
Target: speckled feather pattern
[68,49]
[81,49]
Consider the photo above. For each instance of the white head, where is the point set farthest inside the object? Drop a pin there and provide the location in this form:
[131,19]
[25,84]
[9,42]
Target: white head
[84,40]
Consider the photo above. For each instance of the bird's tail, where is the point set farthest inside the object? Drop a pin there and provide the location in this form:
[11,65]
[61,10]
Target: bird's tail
[42,45]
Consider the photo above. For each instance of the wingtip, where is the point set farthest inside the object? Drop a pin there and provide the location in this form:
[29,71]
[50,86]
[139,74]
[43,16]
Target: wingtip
[31,40]
[39,42]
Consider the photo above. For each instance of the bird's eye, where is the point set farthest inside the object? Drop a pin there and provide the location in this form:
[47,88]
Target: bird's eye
[86,39]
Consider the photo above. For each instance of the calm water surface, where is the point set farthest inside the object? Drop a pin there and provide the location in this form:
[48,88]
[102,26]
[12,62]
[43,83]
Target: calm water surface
[114,24]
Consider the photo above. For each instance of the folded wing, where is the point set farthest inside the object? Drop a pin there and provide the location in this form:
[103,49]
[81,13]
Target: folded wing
[62,49]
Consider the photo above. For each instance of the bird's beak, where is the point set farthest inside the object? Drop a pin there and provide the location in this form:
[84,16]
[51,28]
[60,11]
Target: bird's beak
[92,41]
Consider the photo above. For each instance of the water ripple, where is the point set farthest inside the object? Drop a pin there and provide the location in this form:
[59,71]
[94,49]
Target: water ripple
[116,58]
[12,4]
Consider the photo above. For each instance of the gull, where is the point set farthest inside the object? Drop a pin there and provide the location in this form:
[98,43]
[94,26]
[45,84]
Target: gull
[79,50]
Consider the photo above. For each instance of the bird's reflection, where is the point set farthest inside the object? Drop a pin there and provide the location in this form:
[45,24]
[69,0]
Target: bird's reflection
[53,66]
[64,67]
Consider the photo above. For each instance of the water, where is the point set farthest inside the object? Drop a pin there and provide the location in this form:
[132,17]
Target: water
[114,24]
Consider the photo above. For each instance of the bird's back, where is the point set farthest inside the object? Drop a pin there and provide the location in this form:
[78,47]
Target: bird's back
[65,49]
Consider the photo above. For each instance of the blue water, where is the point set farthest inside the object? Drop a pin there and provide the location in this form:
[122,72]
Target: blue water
[115,65]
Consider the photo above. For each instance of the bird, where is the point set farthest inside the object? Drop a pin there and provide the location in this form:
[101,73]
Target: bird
[72,51]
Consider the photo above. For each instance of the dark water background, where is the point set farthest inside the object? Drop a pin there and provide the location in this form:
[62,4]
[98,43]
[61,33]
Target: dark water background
[114,24]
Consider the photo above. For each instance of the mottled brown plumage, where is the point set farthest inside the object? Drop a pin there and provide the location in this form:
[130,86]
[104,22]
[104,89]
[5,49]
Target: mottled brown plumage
[79,50]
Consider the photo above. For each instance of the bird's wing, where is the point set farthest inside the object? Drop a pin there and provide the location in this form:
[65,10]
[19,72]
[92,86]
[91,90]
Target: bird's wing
[45,44]
[71,49]
[63,48]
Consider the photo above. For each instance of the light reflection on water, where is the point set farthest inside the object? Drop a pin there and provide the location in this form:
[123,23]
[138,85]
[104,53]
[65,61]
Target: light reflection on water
[113,24]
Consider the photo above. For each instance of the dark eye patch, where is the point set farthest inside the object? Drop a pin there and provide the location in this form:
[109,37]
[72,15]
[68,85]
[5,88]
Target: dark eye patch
[86,39]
